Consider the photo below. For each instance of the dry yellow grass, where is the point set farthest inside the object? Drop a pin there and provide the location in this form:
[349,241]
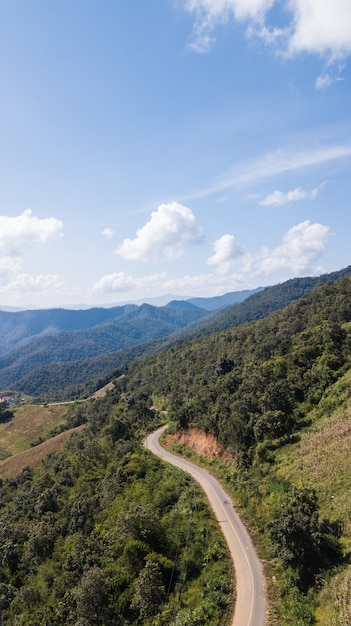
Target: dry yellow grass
[322,460]
[30,422]
[12,466]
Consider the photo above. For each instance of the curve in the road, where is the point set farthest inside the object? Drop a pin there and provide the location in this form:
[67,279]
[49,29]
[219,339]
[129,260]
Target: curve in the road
[250,606]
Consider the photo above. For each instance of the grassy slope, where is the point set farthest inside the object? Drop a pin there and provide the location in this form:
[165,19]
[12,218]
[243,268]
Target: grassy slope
[13,465]
[321,459]
[30,422]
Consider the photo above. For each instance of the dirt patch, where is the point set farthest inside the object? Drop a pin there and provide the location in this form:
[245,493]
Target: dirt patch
[101,393]
[202,443]
[13,465]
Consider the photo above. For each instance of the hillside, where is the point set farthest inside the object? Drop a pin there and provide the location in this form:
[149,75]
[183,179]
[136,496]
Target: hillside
[50,364]
[273,395]
[87,536]
[258,389]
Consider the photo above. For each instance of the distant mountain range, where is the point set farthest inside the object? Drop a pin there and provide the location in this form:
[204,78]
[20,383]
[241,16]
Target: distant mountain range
[48,350]
[17,327]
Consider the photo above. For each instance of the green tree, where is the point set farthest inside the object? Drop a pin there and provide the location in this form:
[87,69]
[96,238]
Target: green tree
[149,591]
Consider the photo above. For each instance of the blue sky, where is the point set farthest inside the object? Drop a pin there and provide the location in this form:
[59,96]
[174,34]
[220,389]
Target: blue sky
[185,147]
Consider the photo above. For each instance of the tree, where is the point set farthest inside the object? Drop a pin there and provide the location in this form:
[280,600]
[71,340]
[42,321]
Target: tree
[149,591]
[91,596]
[297,535]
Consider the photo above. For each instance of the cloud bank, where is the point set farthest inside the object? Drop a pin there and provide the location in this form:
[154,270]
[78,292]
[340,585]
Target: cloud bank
[234,268]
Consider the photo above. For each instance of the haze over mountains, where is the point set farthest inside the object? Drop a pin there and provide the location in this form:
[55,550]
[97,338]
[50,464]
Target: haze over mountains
[48,350]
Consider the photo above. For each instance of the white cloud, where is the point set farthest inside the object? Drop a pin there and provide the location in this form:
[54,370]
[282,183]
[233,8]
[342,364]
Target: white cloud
[226,250]
[302,245]
[278,198]
[120,282]
[169,229]
[234,269]
[24,229]
[108,233]
[9,265]
[15,233]
[318,27]
[321,27]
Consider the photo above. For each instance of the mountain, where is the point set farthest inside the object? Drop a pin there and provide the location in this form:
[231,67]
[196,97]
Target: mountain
[218,302]
[52,363]
[133,325]
[17,326]
[275,393]
[92,528]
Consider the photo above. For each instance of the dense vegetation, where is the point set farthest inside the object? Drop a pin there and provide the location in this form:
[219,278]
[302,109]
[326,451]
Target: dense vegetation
[68,533]
[254,387]
[91,539]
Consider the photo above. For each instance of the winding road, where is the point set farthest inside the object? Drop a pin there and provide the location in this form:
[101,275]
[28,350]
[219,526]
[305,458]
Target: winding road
[250,607]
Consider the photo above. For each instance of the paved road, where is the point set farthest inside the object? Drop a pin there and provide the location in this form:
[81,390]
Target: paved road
[250,608]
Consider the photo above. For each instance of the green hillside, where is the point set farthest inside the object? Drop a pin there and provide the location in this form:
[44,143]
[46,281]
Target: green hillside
[90,539]
[275,395]
[262,389]
[51,364]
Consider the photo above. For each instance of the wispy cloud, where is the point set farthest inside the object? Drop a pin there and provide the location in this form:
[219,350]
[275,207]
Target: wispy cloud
[314,26]
[278,198]
[108,233]
[325,80]
[271,165]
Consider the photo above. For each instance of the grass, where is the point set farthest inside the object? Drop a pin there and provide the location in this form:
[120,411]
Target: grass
[321,459]
[30,422]
[13,465]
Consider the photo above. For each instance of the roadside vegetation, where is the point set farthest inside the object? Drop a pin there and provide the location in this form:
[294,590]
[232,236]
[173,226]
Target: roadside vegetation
[102,533]
[274,394]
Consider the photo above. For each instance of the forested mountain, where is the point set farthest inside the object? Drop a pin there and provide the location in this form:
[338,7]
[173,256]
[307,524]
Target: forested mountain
[18,326]
[260,304]
[133,325]
[257,388]
[90,332]
[52,363]
[92,528]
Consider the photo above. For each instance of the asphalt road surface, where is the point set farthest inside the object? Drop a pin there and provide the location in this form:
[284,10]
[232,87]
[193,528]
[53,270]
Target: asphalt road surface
[250,606]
